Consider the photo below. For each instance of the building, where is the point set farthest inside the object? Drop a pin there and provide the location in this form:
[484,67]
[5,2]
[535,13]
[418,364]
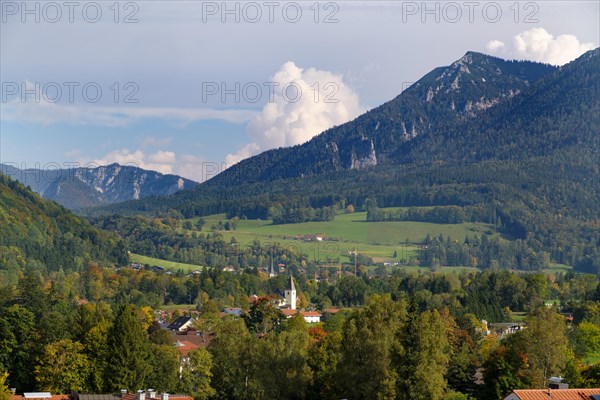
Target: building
[290,294]
[181,324]
[554,394]
[311,317]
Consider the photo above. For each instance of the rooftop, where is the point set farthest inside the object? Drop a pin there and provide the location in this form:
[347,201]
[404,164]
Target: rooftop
[554,394]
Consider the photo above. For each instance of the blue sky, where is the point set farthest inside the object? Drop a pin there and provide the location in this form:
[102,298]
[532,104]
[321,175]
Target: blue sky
[175,58]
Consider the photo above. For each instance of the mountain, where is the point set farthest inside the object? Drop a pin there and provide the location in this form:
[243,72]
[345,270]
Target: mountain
[519,140]
[443,99]
[42,234]
[89,187]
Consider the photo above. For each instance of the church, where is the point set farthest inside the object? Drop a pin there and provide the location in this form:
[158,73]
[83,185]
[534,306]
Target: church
[310,317]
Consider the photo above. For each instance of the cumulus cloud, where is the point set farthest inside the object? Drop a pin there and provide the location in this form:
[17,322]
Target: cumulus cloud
[196,168]
[305,103]
[247,151]
[188,166]
[537,44]
[494,45]
[161,161]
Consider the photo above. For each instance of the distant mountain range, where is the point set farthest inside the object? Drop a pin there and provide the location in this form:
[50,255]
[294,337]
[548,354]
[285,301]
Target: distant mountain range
[79,188]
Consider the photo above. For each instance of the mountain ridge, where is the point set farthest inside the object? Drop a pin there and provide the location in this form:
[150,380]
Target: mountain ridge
[83,187]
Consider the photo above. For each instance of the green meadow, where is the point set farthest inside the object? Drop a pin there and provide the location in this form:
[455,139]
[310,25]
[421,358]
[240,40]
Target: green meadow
[172,265]
[346,233]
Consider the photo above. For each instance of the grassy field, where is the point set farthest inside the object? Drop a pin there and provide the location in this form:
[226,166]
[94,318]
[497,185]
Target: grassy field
[348,231]
[136,258]
[556,268]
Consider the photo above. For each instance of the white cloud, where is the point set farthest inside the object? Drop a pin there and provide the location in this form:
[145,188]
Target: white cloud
[161,161]
[163,157]
[247,151]
[314,101]
[197,168]
[494,45]
[537,44]
[188,166]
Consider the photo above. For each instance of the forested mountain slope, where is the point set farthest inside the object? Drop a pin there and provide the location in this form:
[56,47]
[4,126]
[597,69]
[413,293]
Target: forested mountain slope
[41,234]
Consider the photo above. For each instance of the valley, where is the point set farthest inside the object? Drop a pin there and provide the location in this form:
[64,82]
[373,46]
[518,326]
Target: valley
[444,245]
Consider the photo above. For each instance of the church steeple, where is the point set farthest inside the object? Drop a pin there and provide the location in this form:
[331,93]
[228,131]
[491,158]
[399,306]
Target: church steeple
[290,294]
[272,271]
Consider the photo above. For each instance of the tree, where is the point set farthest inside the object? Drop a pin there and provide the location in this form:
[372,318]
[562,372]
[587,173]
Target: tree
[586,339]
[234,369]
[424,366]
[196,375]
[503,371]
[21,359]
[63,368]
[128,362]
[369,348]
[165,367]
[545,344]
[323,360]
[262,316]
[349,209]
[200,223]
[4,390]
[283,365]
[95,342]
[8,343]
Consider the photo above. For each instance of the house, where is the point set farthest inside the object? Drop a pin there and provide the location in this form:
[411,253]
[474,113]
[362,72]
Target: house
[288,312]
[311,317]
[554,394]
[181,324]
[185,346]
[235,311]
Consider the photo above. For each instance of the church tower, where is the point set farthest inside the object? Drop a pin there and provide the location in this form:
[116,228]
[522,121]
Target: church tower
[290,294]
[272,271]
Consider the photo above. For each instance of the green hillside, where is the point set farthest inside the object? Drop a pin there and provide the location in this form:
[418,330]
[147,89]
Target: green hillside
[36,233]
[347,232]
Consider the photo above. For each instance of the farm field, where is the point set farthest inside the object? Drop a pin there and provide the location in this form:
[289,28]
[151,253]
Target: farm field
[171,265]
[348,231]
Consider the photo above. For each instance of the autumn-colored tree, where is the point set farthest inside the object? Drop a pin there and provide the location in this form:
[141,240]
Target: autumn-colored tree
[545,344]
[4,390]
[63,367]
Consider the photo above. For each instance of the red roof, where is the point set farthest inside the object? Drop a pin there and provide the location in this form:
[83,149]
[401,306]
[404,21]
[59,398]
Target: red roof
[331,310]
[185,347]
[289,312]
[555,394]
[311,314]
